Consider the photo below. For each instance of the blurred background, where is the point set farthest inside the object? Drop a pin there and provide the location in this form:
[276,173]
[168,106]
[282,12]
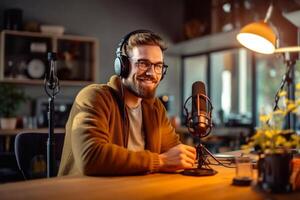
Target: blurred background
[202,45]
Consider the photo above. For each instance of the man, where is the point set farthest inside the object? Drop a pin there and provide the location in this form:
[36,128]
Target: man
[120,128]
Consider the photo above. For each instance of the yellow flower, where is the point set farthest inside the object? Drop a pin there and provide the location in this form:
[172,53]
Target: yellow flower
[264,118]
[269,133]
[280,141]
[279,112]
[282,93]
[291,107]
[269,136]
[298,86]
[267,144]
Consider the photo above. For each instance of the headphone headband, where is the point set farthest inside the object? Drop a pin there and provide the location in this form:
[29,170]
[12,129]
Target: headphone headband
[125,39]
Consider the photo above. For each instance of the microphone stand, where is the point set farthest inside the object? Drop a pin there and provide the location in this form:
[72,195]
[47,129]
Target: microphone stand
[203,168]
[52,88]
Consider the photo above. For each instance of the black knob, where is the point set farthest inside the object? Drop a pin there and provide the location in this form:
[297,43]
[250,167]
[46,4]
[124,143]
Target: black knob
[52,56]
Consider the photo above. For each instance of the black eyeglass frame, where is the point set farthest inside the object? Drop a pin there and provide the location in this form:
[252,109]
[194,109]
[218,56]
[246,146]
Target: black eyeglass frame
[162,69]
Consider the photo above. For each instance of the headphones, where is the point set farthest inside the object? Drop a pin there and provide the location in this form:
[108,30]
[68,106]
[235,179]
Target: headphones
[122,63]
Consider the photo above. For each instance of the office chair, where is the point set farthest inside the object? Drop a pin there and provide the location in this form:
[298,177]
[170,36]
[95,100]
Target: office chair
[31,153]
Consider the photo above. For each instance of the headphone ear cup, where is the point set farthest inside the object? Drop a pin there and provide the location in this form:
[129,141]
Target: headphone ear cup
[125,66]
[118,66]
[122,66]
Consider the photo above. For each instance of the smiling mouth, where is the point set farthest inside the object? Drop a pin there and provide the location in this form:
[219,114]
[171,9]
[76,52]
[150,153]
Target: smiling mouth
[148,81]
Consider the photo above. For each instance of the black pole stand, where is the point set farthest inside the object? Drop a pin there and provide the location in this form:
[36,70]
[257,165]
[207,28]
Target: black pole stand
[203,168]
[291,117]
[52,88]
[288,79]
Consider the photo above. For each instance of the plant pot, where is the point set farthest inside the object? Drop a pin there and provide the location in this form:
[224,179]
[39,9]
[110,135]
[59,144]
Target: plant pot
[274,171]
[8,123]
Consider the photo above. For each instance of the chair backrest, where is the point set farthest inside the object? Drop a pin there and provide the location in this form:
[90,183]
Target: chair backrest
[31,153]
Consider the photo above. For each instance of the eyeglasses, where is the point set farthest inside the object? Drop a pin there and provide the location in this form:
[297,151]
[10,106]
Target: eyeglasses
[144,65]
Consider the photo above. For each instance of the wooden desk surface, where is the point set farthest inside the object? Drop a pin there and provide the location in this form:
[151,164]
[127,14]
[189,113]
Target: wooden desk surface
[13,132]
[153,186]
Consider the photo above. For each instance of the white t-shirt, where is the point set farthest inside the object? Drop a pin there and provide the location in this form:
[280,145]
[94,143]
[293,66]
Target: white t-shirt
[136,138]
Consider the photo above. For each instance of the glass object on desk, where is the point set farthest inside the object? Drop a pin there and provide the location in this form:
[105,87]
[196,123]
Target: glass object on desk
[243,172]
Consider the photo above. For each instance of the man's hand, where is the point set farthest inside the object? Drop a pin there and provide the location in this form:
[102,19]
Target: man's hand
[179,157]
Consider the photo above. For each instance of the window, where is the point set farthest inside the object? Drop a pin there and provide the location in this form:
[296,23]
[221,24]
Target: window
[231,83]
[195,69]
[230,78]
[269,73]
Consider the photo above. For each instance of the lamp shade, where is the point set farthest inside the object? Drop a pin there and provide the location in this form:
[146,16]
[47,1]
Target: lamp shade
[258,37]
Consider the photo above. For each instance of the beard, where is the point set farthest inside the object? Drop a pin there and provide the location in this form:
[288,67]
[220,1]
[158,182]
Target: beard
[140,90]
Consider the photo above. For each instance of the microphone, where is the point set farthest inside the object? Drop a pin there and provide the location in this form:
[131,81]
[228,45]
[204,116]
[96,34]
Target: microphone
[199,124]
[199,111]
[199,120]
[52,79]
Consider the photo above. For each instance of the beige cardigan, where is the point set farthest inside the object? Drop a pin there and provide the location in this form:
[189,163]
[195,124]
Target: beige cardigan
[96,137]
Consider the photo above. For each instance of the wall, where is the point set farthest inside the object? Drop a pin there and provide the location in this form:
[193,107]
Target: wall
[109,20]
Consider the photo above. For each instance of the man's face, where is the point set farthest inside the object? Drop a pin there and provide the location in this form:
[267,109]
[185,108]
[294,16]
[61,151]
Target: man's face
[143,83]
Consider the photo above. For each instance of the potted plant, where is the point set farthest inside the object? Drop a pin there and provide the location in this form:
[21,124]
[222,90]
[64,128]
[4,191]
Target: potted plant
[274,145]
[10,100]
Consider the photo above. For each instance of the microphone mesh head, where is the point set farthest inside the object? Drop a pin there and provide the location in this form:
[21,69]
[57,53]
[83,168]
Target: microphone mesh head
[198,88]
[200,120]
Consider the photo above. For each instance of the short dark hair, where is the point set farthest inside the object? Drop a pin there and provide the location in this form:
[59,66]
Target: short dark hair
[144,38]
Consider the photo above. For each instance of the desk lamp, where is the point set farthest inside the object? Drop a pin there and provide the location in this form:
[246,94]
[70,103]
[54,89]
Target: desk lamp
[261,37]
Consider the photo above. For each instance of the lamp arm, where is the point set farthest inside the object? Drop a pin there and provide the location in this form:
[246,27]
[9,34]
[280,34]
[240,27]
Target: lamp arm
[269,13]
[287,49]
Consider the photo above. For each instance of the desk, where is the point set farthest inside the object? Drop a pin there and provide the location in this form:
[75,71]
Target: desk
[152,186]
[14,132]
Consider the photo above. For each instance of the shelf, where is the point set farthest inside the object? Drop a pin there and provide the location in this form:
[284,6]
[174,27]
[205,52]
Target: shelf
[40,82]
[205,44]
[47,35]
[23,57]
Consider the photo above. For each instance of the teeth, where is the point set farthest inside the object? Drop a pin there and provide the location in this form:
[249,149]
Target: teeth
[147,81]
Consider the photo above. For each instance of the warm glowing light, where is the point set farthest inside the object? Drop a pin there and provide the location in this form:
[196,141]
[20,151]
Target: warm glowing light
[256,43]
[165,98]
[259,37]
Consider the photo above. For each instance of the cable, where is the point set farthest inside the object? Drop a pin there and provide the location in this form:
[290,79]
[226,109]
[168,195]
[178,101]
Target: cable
[206,161]
[23,174]
[203,152]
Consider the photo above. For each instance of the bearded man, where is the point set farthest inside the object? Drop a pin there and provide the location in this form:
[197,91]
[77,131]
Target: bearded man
[120,128]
